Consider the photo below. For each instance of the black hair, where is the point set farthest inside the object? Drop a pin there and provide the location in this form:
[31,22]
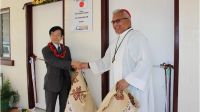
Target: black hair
[56,28]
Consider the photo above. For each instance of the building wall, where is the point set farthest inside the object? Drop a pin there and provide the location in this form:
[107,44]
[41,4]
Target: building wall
[189,51]
[17,73]
[188,98]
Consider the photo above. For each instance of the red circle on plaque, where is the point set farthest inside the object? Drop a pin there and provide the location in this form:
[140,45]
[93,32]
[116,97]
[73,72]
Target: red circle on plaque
[81,4]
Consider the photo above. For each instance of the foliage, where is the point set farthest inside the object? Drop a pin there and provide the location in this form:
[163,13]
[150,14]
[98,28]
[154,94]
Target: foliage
[37,2]
[8,95]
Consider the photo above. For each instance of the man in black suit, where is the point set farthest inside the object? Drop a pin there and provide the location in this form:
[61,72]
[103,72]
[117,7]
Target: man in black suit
[57,81]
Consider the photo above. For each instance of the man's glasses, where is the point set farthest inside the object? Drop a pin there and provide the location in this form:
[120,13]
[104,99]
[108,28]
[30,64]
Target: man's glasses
[117,20]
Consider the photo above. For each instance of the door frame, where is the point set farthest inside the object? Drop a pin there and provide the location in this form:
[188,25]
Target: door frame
[105,43]
[29,48]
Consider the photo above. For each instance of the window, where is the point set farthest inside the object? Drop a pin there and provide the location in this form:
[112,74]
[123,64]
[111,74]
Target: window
[5,33]
[5,53]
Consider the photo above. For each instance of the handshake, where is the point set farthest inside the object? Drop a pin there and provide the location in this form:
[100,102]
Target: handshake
[77,65]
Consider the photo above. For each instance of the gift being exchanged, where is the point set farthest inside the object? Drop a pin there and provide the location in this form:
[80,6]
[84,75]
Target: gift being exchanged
[119,101]
[80,98]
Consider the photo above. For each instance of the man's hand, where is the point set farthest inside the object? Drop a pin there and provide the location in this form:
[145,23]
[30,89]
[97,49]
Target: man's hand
[84,65]
[76,64]
[121,85]
[79,65]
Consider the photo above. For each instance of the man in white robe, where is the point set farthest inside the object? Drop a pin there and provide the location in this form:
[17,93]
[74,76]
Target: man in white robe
[128,58]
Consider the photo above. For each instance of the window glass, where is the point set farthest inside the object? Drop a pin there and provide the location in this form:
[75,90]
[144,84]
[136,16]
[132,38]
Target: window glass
[5,34]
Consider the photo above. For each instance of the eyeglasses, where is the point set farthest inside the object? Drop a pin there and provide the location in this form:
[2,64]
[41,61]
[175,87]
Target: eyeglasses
[117,20]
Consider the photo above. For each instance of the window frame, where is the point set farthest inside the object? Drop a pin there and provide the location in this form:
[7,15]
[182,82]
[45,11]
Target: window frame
[6,60]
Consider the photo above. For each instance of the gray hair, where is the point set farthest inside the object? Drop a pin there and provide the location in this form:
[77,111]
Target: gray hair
[126,12]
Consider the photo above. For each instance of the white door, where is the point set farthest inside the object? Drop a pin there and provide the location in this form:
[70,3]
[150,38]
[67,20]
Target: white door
[44,17]
[155,19]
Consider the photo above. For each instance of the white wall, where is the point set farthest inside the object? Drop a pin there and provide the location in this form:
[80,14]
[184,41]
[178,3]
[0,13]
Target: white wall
[188,98]
[17,73]
[86,46]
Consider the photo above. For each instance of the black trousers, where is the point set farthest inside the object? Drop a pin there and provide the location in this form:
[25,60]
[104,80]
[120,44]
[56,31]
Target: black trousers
[51,98]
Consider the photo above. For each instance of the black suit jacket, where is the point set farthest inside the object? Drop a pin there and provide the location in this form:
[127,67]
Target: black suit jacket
[57,77]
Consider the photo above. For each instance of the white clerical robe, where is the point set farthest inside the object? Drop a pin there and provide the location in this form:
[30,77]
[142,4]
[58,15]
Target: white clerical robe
[132,63]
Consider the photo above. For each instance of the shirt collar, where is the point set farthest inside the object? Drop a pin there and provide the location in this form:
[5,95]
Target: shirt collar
[56,45]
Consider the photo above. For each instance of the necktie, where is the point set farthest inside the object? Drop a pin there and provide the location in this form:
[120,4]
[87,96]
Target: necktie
[59,50]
